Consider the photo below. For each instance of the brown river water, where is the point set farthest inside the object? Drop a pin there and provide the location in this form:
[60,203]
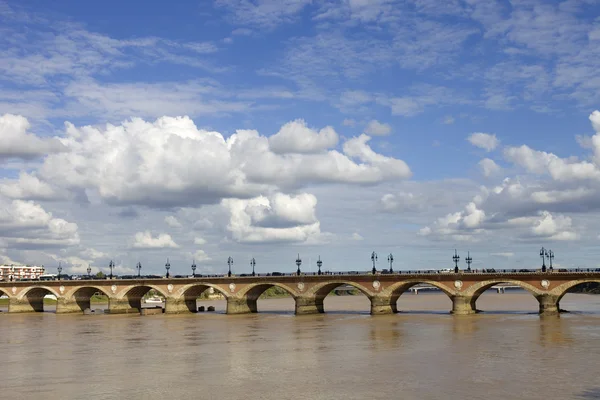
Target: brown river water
[506,352]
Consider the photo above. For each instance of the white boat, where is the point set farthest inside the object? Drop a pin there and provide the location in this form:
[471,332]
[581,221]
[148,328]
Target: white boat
[153,300]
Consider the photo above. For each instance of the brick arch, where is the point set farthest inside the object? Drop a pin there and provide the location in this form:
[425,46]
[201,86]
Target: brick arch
[83,295]
[34,295]
[563,289]
[323,290]
[479,288]
[191,292]
[134,293]
[199,288]
[253,291]
[398,289]
[36,290]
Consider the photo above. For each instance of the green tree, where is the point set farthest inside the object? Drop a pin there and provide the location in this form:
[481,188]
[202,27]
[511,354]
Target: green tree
[100,275]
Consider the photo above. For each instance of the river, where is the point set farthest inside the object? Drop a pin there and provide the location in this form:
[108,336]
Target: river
[507,352]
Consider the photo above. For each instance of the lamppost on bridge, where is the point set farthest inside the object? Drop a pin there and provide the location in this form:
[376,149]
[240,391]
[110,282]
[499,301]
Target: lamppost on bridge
[391,261]
[374,258]
[167,267]
[298,263]
[111,265]
[469,260]
[194,268]
[543,255]
[253,264]
[550,255]
[455,258]
[229,263]
[319,264]
[12,272]
[59,269]
[138,266]
[89,271]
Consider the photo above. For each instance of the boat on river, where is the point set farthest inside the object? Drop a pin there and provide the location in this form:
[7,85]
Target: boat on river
[153,300]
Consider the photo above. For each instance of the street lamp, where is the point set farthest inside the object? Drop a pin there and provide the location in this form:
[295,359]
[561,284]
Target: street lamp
[319,263]
[374,258]
[455,258]
[168,267]
[111,265]
[194,268]
[59,270]
[391,261]
[543,255]
[252,264]
[550,255]
[138,266]
[89,271]
[229,262]
[469,260]
[298,263]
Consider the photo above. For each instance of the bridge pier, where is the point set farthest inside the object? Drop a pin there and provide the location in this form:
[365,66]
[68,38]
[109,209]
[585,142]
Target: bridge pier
[179,305]
[243,305]
[463,305]
[309,305]
[548,304]
[67,306]
[381,305]
[25,305]
[121,306]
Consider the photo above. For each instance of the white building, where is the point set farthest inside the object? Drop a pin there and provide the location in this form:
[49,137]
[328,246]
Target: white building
[16,272]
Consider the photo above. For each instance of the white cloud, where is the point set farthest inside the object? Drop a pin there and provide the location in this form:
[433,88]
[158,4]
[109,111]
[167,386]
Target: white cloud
[348,122]
[448,120]
[172,221]
[200,256]
[280,218]
[16,141]
[485,141]
[25,224]
[357,236]
[595,119]
[505,254]
[199,241]
[376,128]
[489,167]
[29,187]
[146,163]
[144,240]
[296,137]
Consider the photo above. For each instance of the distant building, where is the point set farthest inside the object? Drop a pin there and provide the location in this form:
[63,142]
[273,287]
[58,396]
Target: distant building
[14,272]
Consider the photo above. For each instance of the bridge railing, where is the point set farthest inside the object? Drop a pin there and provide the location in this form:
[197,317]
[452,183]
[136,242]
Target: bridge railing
[346,273]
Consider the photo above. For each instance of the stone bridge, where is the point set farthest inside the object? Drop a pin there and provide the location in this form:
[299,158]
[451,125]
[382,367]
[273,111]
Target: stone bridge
[308,291]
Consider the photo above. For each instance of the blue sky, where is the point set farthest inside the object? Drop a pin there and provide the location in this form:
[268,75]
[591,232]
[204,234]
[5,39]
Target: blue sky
[479,120]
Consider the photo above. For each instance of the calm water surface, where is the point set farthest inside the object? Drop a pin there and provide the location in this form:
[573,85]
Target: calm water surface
[508,352]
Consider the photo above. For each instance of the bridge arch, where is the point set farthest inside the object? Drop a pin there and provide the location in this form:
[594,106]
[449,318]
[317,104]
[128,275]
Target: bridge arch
[476,290]
[321,291]
[398,289]
[83,295]
[191,292]
[133,294]
[252,293]
[561,290]
[34,296]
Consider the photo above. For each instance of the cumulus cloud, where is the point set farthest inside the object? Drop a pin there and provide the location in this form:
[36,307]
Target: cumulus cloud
[145,240]
[170,163]
[29,187]
[16,141]
[199,241]
[172,221]
[376,128]
[200,256]
[279,218]
[489,167]
[357,236]
[26,225]
[485,141]
[296,137]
